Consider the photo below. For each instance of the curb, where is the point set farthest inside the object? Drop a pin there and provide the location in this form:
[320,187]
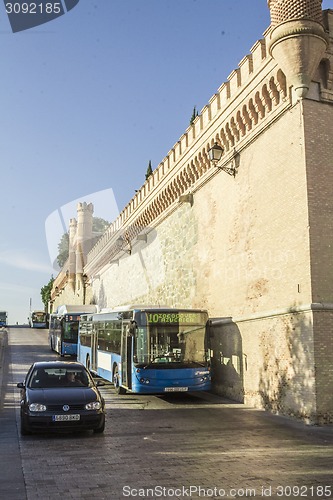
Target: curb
[3,345]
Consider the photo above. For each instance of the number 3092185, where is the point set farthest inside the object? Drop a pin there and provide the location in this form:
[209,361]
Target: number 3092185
[33,8]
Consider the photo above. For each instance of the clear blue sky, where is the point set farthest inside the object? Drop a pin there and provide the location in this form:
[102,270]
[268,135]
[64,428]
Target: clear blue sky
[88,99]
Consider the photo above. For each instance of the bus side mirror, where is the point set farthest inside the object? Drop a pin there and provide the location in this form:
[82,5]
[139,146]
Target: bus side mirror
[132,328]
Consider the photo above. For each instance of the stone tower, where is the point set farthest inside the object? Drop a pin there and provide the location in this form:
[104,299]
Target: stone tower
[298,40]
[83,238]
[72,253]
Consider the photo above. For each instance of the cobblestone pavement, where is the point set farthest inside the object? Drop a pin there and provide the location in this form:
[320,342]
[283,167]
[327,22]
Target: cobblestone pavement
[175,446]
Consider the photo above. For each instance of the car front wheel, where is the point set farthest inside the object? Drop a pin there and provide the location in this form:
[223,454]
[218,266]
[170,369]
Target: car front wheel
[100,429]
[24,428]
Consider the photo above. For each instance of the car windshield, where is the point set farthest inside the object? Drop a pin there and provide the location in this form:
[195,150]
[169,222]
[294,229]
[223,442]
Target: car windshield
[43,378]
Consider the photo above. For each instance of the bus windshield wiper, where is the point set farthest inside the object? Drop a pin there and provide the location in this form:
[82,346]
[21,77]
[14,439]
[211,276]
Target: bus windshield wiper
[152,362]
[179,362]
[193,330]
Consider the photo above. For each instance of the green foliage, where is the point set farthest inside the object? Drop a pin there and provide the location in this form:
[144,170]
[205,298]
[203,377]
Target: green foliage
[149,170]
[46,292]
[63,249]
[194,115]
[99,225]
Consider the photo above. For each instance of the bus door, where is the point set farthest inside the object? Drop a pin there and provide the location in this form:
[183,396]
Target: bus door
[94,346]
[126,354]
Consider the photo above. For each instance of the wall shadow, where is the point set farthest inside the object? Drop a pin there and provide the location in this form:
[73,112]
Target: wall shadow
[227,359]
[287,378]
[101,300]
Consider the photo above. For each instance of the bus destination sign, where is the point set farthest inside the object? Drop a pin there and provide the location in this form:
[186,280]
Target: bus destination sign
[181,317]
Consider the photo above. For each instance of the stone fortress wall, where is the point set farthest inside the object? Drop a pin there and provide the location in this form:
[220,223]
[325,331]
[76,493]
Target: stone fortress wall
[254,249]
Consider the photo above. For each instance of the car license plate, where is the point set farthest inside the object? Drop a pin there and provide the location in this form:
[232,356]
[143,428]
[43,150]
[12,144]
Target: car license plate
[175,389]
[65,418]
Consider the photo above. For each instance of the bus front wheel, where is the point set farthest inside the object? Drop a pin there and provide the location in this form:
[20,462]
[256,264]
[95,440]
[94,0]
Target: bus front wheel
[118,388]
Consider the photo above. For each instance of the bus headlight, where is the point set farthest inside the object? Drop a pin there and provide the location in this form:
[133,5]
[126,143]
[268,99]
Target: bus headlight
[37,407]
[94,405]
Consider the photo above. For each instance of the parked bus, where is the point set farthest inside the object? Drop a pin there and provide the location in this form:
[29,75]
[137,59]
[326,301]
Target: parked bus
[3,318]
[64,326]
[38,319]
[147,349]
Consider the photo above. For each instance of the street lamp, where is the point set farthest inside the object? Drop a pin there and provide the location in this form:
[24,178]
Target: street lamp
[215,154]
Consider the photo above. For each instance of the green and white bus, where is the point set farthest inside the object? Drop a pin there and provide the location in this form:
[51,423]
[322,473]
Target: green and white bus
[38,319]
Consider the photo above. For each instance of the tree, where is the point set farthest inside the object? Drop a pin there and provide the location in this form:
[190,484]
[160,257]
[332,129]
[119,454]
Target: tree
[194,115]
[100,225]
[63,249]
[149,170]
[46,292]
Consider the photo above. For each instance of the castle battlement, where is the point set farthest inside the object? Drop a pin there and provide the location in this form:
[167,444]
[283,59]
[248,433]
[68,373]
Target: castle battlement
[255,93]
[252,92]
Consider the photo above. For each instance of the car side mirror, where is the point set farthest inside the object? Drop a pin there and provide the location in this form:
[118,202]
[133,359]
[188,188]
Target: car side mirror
[99,383]
[20,385]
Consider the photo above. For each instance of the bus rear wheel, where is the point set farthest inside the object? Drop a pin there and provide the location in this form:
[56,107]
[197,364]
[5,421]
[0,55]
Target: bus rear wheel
[118,388]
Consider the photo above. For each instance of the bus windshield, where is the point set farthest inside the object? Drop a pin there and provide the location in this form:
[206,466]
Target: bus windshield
[71,329]
[178,340]
[38,317]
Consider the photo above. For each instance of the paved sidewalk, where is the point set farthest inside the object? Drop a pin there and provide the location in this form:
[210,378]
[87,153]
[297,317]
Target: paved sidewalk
[3,345]
[12,484]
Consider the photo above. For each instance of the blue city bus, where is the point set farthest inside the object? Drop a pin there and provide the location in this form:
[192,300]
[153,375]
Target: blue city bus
[3,318]
[64,327]
[147,349]
[38,319]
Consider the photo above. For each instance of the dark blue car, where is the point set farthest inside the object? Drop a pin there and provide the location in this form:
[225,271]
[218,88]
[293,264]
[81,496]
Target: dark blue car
[60,395]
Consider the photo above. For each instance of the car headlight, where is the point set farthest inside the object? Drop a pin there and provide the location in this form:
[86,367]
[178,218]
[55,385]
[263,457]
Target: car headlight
[37,407]
[94,405]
